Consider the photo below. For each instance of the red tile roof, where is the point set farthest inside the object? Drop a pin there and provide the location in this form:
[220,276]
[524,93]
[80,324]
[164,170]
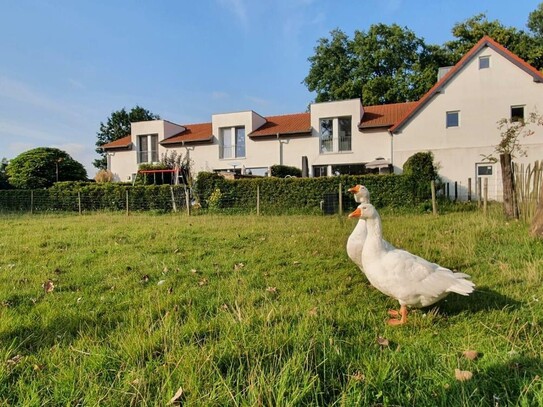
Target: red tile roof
[385,115]
[291,124]
[193,133]
[120,143]
[486,41]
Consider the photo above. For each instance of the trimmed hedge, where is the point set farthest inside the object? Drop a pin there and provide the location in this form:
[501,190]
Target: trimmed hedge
[277,195]
[305,193]
[64,196]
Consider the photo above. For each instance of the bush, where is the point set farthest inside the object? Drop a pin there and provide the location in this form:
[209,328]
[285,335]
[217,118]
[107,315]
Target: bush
[103,176]
[421,170]
[282,171]
[305,193]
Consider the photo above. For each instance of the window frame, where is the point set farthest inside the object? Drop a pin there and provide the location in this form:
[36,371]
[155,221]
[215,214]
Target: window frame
[449,114]
[147,148]
[484,62]
[517,118]
[237,143]
[334,136]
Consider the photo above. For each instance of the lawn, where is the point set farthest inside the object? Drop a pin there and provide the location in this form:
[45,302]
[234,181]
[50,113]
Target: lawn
[116,310]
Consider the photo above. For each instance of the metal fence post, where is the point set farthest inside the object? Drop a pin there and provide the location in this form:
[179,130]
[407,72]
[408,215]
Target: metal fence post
[340,201]
[127,210]
[31,202]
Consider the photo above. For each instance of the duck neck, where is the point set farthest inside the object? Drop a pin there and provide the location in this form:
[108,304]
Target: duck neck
[375,234]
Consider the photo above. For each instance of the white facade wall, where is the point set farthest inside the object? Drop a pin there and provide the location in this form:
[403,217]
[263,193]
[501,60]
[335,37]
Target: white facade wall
[482,97]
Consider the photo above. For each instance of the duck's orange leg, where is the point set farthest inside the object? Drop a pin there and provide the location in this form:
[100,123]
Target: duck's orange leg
[402,314]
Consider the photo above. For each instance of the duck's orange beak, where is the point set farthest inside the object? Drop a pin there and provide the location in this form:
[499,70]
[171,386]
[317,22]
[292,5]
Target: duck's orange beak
[356,213]
[354,189]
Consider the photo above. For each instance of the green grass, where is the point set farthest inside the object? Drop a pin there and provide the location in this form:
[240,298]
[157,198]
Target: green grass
[250,311]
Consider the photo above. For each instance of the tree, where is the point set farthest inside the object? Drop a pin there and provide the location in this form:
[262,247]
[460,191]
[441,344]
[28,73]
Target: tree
[42,167]
[387,64]
[511,131]
[118,126]
[332,69]
[470,31]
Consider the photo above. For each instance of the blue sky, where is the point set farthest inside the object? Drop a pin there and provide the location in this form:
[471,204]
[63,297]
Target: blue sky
[68,64]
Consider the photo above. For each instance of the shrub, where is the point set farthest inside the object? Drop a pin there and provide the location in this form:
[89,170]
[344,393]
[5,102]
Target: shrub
[103,176]
[281,171]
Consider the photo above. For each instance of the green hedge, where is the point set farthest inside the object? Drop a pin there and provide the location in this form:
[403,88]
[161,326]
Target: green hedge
[277,195]
[65,196]
[307,193]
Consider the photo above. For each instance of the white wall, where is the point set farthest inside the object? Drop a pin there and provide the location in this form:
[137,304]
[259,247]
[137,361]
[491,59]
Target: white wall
[483,97]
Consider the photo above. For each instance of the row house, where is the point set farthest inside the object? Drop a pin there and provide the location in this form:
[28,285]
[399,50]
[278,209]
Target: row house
[456,120]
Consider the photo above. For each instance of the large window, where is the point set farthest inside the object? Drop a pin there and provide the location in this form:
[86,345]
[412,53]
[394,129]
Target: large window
[453,119]
[232,142]
[148,148]
[335,135]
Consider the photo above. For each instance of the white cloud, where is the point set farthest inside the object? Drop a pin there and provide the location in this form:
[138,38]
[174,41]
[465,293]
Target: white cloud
[393,5]
[258,101]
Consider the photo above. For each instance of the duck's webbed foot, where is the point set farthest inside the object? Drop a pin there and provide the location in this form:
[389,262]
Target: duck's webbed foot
[402,314]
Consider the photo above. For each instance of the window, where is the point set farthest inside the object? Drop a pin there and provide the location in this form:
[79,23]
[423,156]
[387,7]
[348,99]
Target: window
[484,170]
[484,62]
[344,134]
[327,135]
[517,113]
[232,142]
[148,148]
[330,143]
[319,170]
[453,119]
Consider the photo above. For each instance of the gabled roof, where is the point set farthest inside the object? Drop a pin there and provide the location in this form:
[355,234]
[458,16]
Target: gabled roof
[123,142]
[486,41]
[384,115]
[193,133]
[290,124]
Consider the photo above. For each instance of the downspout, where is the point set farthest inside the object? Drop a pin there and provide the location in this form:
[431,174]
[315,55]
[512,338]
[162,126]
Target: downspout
[391,150]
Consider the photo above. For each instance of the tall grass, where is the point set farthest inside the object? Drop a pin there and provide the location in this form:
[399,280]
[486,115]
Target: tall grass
[250,311]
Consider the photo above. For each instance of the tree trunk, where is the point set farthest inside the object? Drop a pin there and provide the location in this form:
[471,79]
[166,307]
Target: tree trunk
[510,207]
[537,222]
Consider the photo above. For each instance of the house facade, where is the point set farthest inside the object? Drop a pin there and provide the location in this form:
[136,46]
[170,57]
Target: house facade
[456,120]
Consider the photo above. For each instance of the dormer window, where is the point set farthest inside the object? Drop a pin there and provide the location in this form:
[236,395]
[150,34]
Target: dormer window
[484,62]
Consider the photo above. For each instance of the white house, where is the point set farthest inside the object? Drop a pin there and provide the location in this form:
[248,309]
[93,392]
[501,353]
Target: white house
[456,120]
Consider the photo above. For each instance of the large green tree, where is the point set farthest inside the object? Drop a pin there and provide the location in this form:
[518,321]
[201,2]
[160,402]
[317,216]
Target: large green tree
[389,63]
[469,32]
[386,64]
[43,166]
[118,126]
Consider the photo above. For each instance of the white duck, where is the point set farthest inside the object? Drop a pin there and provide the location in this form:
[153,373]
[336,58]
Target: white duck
[410,279]
[356,239]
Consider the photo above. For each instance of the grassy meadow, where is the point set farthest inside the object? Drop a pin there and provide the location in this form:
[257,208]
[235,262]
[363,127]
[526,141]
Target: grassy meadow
[105,309]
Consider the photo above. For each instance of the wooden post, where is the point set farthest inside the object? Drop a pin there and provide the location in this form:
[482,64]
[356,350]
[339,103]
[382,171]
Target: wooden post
[174,206]
[455,191]
[447,193]
[340,201]
[479,193]
[187,200]
[485,188]
[79,201]
[258,200]
[469,189]
[434,202]
[31,202]
[127,210]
